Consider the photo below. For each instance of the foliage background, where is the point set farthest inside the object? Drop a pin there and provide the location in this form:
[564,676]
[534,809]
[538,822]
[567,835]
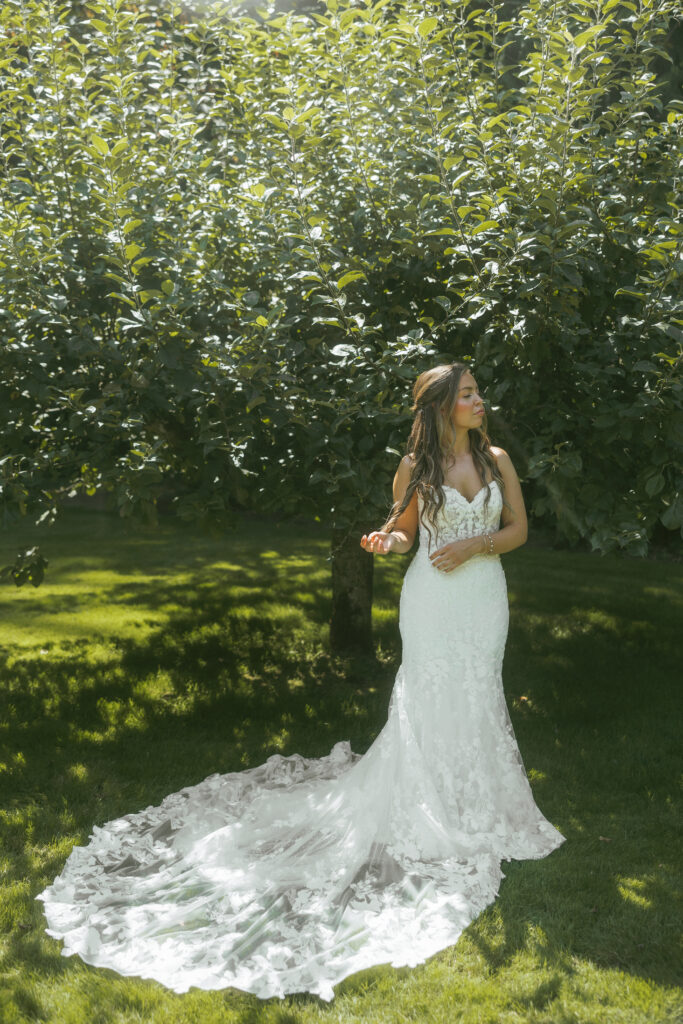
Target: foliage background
[231,237]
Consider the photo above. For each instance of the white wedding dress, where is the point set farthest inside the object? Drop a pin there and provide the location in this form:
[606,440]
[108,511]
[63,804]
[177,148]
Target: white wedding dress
[289,876]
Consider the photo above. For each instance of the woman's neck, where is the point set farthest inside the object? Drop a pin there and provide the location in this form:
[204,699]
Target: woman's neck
[461,447]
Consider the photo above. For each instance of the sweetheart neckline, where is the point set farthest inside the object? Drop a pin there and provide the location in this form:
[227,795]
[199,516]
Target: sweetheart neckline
[448,487]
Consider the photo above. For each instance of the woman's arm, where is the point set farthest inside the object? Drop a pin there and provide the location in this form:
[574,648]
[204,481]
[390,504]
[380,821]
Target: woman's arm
[514,530]
[402,536]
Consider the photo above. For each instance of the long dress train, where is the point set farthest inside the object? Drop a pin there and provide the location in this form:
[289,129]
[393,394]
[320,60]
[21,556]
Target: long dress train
[289,876]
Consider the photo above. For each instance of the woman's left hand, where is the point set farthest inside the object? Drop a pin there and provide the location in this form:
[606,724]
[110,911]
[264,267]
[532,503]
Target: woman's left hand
[450,556]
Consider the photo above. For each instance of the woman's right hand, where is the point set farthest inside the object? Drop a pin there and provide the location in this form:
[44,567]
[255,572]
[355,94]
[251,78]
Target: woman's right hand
[378,542]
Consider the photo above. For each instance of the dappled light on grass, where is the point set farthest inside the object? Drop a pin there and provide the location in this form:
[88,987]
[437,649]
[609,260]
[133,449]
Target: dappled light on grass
[149,576]
[232,665]
[635,891]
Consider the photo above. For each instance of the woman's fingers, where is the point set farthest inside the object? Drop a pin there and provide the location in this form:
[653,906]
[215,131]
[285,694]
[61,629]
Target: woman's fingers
[373,542]
[443,565]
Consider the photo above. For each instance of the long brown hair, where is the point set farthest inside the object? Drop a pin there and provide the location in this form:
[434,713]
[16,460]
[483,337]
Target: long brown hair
[431,438]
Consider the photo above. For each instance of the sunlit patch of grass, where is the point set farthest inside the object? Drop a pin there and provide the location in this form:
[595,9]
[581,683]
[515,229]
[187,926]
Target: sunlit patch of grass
[146,662]
[631,889]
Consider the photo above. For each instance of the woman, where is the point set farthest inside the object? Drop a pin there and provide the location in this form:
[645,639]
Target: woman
[292,875]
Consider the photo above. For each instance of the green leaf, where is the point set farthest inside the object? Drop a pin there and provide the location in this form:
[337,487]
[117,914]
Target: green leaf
[584,37]
[654,484]
[672,518]
[122,298]
[100,145]
[132,250]
[461,177]
[484,226]
[348,16]
[352,275]
[277,121]
[427,25]
[673,332]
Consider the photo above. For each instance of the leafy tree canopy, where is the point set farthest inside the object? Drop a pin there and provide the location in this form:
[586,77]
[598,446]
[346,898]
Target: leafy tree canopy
[231,238]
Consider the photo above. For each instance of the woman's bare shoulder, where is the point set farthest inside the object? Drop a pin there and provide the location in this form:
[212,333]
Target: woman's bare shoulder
[404,470]
[406,464]
[503,461]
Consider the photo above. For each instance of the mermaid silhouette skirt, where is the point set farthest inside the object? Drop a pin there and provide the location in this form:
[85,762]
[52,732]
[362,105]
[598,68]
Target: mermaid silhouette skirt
[292,875]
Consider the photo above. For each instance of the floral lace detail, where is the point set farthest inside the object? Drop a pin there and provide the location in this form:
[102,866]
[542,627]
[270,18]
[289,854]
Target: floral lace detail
[289,876]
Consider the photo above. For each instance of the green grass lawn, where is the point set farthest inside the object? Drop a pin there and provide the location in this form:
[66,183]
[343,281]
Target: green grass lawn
[148,660]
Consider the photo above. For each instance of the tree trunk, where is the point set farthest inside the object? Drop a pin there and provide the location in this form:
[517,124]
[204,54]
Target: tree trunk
[352,569]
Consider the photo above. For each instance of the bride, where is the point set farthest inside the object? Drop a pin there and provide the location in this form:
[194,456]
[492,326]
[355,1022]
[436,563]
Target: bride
[291,875]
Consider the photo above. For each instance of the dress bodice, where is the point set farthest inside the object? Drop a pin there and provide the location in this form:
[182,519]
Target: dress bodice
[459,518]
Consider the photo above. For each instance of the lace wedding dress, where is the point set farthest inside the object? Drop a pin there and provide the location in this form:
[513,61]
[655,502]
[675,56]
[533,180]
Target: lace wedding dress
[289,876]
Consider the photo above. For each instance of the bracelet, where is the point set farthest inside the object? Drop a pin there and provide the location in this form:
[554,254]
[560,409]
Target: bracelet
[489,538]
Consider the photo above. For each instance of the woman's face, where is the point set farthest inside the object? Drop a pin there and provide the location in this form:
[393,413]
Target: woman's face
[468,411]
